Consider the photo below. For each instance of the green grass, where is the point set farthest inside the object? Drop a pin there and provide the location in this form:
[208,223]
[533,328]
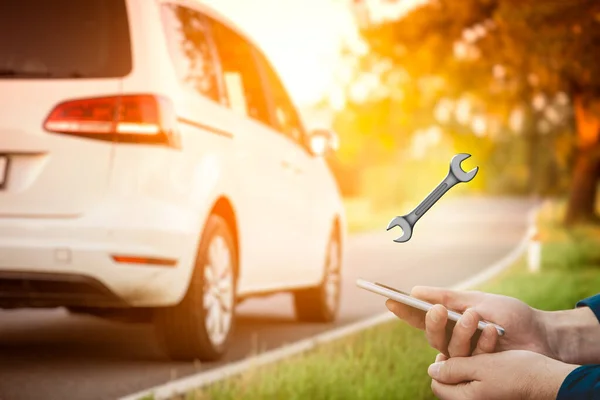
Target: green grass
[390,360]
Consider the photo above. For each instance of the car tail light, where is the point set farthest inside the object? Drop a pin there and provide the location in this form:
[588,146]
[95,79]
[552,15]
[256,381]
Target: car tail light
[139,119]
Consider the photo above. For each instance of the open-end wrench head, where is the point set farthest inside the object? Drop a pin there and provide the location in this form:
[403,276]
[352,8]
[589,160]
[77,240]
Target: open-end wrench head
[404,225]
[457,170]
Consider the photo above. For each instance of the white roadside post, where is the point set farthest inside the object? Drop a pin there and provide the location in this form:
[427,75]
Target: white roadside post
[534,251]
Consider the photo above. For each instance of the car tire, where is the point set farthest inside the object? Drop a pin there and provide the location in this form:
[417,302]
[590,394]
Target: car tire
[201,325]
[321,303]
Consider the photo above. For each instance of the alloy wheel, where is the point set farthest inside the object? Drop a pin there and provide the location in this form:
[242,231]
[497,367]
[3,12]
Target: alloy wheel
[218,291]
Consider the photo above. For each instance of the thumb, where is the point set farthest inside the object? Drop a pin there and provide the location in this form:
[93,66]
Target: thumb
[455,370]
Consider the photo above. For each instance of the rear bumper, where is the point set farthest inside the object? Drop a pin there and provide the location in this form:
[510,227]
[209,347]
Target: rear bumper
[131,284]
[70,261]
[41,289]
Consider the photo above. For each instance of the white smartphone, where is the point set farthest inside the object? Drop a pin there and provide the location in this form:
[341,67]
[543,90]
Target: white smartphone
[407,299]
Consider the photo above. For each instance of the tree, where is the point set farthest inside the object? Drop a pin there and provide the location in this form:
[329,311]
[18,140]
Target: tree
[506,54]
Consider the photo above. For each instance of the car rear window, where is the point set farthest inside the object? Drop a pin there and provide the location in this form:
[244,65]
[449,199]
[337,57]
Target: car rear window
[64,39]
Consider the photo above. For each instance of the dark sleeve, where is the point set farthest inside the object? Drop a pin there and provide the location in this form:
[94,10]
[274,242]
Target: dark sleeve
[593,303]
[581,384]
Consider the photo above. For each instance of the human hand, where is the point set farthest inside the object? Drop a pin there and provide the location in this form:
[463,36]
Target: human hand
[515,374]
[525,326]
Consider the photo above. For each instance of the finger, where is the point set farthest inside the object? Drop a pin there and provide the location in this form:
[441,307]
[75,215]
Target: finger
[453,392]
[411,315]
[435,328]
[456,370]
[487,342]
[440,357]
[452,299]
[465,328]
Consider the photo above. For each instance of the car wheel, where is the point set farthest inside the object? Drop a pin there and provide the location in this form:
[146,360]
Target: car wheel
[201,325]
[321,303]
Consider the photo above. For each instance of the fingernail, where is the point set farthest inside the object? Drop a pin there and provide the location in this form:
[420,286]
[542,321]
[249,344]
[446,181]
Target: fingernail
[435,317]
[434,369]
[466,320]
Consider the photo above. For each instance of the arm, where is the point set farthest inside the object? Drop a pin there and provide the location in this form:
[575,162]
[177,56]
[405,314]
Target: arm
[574,335]
[582,383]
[593,303]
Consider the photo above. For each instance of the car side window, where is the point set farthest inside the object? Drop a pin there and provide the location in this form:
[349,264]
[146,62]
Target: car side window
[241,78]
[286,117]
[191,51]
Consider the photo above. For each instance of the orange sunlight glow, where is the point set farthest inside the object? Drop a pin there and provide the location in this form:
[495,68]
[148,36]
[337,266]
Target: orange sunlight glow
[301,37]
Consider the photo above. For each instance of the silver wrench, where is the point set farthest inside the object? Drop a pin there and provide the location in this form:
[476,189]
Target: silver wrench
[455,175]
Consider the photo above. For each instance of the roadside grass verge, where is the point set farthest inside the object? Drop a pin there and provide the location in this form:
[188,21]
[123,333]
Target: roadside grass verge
[391,360]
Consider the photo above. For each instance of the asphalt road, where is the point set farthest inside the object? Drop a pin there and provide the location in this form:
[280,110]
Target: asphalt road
[53,355]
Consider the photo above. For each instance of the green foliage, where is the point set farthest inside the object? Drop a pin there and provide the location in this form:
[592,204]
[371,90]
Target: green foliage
[557,41]
[499,55]
[573,249]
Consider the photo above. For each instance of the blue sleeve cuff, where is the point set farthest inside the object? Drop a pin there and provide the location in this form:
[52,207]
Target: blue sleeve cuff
[593,303]
[582,383]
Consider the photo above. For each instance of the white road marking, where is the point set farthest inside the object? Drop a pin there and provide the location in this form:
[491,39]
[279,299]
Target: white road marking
[201,379]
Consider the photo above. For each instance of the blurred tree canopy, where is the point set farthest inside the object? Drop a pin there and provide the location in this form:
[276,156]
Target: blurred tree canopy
[510,65]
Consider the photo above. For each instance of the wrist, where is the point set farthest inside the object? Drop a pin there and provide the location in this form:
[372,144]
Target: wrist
[551,329]
[565,331]
[554,376]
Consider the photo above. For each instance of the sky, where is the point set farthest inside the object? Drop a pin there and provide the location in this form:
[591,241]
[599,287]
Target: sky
[302,38]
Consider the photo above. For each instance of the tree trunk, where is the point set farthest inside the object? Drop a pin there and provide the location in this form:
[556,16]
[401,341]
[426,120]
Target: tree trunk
[582,200]
[532,143]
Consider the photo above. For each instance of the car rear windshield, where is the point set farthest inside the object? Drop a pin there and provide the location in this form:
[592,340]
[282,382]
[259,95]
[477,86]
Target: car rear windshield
[61,39]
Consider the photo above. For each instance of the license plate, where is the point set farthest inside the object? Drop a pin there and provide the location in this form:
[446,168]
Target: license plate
[3,171]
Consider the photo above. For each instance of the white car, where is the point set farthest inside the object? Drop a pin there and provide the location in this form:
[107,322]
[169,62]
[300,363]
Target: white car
[151,160]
